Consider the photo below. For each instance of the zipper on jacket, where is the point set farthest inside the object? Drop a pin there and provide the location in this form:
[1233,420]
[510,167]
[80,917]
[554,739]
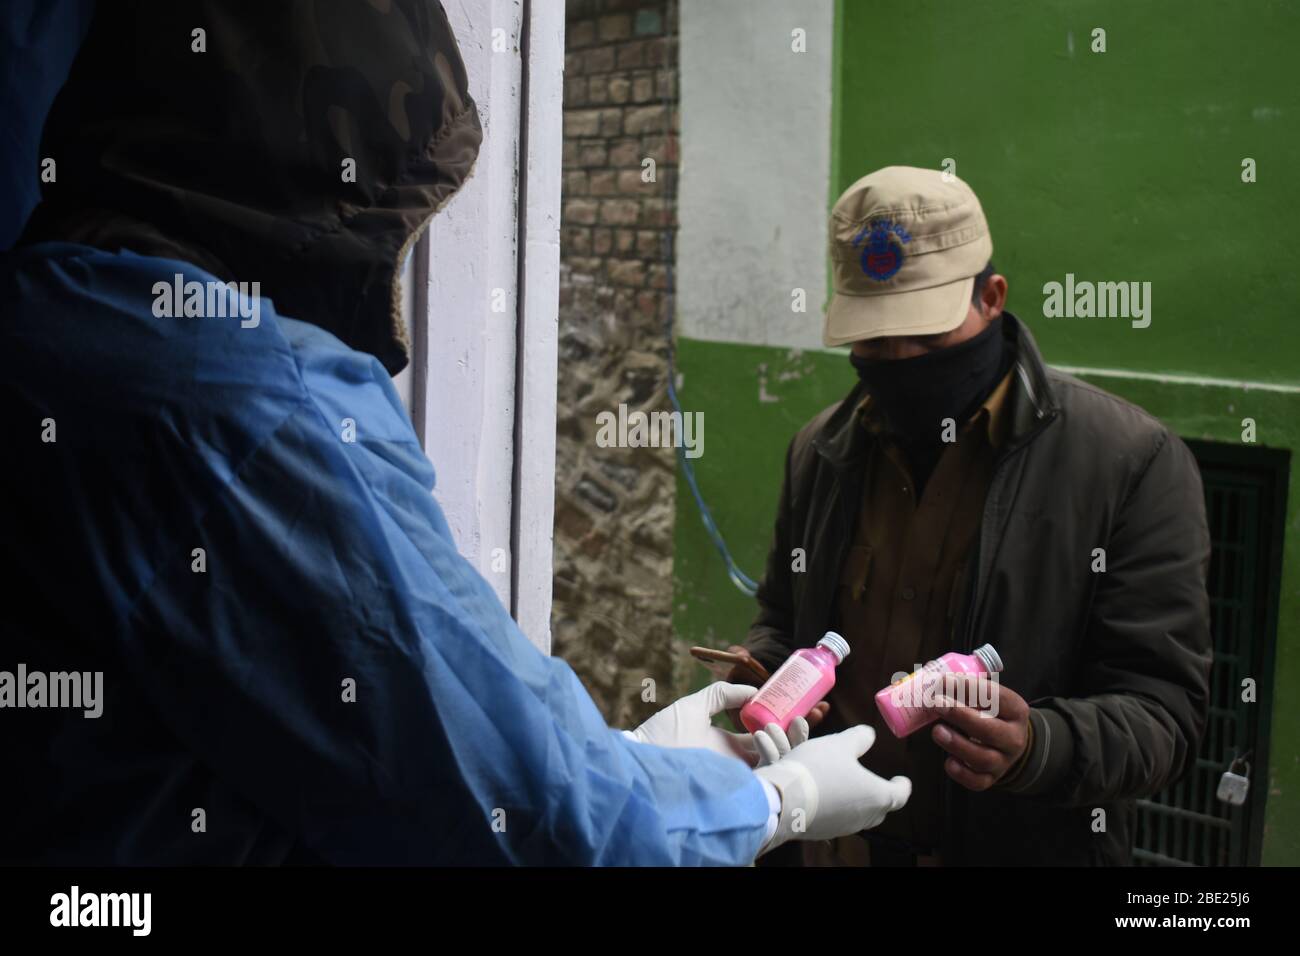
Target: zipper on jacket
[973,587]
[968,614]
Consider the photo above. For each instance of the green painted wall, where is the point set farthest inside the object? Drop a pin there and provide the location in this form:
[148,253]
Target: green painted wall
[1123,165]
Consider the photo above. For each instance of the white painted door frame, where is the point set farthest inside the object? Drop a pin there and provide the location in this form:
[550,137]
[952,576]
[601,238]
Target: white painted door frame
[484,303]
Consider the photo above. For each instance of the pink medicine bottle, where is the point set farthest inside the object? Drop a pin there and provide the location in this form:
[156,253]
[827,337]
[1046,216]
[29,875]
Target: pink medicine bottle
[797,685]
[905,704]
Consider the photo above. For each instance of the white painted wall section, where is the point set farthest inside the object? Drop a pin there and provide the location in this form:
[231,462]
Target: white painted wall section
[469,423]
[486,387]
[539,306]
[754,194]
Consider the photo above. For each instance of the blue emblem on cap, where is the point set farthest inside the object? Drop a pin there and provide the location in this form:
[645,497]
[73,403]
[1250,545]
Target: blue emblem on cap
[882,256]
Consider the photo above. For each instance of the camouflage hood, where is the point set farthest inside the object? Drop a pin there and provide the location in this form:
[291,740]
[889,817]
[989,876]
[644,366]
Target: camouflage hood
[305,146]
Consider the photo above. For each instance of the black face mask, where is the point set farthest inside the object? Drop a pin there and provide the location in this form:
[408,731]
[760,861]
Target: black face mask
[915,395]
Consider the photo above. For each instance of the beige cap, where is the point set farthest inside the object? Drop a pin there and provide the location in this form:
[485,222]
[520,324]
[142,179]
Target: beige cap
[906,245]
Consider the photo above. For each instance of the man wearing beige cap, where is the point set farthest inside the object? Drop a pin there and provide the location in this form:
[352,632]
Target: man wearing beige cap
[962,493]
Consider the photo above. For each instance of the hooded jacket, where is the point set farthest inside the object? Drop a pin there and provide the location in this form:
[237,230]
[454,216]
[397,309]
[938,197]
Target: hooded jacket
[304,146]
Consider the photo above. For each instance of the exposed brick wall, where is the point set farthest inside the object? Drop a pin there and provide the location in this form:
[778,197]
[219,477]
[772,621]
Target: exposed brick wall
[614,506]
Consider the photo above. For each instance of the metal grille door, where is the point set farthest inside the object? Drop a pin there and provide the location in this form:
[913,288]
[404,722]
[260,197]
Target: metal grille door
[1186,825]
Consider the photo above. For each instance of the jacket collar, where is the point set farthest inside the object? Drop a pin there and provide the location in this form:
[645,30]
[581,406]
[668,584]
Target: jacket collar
[1032,403]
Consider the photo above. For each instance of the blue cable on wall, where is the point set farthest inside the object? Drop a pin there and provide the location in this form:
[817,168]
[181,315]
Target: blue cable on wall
[739,578]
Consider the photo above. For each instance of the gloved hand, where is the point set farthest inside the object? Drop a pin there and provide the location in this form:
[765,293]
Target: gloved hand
[688,722]
[826,793]
[773,743]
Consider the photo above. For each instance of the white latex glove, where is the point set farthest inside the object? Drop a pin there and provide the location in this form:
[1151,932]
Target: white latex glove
[826,793]
[688,722]
[773,743]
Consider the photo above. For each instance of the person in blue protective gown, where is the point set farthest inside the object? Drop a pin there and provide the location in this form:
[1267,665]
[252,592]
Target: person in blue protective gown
[221,521]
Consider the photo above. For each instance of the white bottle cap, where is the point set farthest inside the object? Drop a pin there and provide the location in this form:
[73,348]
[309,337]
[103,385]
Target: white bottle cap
[990,657]
[836,645]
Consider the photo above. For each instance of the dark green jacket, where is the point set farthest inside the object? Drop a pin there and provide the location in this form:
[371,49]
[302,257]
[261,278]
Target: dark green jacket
[1115,665]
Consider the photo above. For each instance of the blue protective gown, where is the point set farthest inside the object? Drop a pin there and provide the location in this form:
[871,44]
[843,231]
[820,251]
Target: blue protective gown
[323,561]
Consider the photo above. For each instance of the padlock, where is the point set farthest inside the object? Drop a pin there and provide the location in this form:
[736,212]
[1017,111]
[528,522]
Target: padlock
[1235,783]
